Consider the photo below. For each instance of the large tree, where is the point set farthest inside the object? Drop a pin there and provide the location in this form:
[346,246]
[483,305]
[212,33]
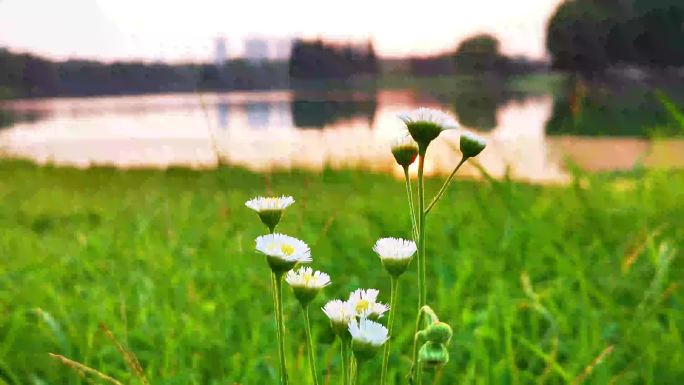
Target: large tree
[587,36]
[479,53]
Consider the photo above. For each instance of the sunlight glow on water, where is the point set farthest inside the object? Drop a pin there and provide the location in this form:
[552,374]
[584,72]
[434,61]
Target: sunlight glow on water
[263,131]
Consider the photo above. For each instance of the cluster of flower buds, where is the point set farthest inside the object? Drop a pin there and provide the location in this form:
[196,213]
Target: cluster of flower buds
[435,337]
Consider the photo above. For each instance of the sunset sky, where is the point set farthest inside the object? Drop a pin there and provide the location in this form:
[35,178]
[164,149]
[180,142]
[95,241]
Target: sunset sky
[176,30]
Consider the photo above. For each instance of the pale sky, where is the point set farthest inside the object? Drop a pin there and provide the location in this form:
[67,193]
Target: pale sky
[175,30]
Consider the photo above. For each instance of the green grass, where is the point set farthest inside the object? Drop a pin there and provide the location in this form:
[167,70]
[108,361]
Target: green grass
[536,281]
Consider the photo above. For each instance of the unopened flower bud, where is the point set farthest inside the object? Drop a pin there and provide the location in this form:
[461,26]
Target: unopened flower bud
[471,144]
[438,332]
[433,355]
[405,150]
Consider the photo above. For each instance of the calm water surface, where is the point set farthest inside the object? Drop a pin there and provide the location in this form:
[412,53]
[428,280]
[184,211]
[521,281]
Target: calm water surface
[284,129]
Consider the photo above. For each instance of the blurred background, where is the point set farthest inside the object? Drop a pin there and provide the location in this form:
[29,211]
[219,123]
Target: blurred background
[132,132]
[311,85]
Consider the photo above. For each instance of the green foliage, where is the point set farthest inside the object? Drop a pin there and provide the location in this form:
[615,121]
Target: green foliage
[537,282]
[27,75]
[477,54]
[589,35]
[320,59]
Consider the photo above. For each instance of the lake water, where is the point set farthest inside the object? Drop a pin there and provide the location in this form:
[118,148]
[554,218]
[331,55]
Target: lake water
[311,130]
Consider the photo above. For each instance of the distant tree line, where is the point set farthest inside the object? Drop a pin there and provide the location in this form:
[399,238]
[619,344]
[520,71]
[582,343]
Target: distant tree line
[25,75]
[588,36]
[479,54]
[320,60]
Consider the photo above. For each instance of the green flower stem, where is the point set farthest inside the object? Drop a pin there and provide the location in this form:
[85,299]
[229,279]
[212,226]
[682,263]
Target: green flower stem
[278,283]
[412,212]
[275,304]
[356,373]
[445,185]
[414,358]
[390,324]
[352,367]
[346,367]
[310,347]
[422,295]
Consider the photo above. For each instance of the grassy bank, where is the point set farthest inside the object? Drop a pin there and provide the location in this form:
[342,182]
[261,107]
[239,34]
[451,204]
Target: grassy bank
[538,282]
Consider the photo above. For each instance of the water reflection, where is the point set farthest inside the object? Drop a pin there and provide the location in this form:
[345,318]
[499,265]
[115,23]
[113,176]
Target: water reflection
[615,108]
[222,114]
[258,114]
[263,130]
[312,111]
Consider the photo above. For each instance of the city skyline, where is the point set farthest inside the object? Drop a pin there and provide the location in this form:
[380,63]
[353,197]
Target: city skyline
[171,31]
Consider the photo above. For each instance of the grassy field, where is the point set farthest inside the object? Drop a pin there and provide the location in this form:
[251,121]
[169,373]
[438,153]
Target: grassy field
[553,285]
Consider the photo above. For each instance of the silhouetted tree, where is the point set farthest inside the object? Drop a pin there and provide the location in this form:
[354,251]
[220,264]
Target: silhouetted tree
[318,59]
[479,53]
[587,36]
[23,75]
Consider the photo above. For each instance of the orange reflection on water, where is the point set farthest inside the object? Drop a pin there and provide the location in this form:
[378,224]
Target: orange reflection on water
[258,130]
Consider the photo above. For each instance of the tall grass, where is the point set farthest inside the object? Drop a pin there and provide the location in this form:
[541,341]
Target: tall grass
[552,285]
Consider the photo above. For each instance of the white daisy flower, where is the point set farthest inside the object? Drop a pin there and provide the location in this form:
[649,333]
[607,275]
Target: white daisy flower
[306,283]
[425,124]
[367,337]
[364,303]
[367,331]
[270,209]
[340,314]
[308,278]
[429,115]
[404,149]
[283,252]
[395,254]
[260,204]
[394,248]
[471,144]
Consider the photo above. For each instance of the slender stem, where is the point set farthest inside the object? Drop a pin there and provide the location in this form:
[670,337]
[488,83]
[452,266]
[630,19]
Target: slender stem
[390,324]
[422,299]
[412,212]
[275,304]
[310,348]
[352,367]
[281,327]
[444,186]
[414,357]
[274,288]
[358,369]
[345,361]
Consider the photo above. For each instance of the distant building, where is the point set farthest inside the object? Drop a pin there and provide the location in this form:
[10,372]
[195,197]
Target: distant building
[256,49]
[221,52]
[282,48]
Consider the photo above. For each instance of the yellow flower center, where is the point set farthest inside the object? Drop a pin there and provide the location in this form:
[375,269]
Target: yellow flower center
[362,306]
[287,249]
